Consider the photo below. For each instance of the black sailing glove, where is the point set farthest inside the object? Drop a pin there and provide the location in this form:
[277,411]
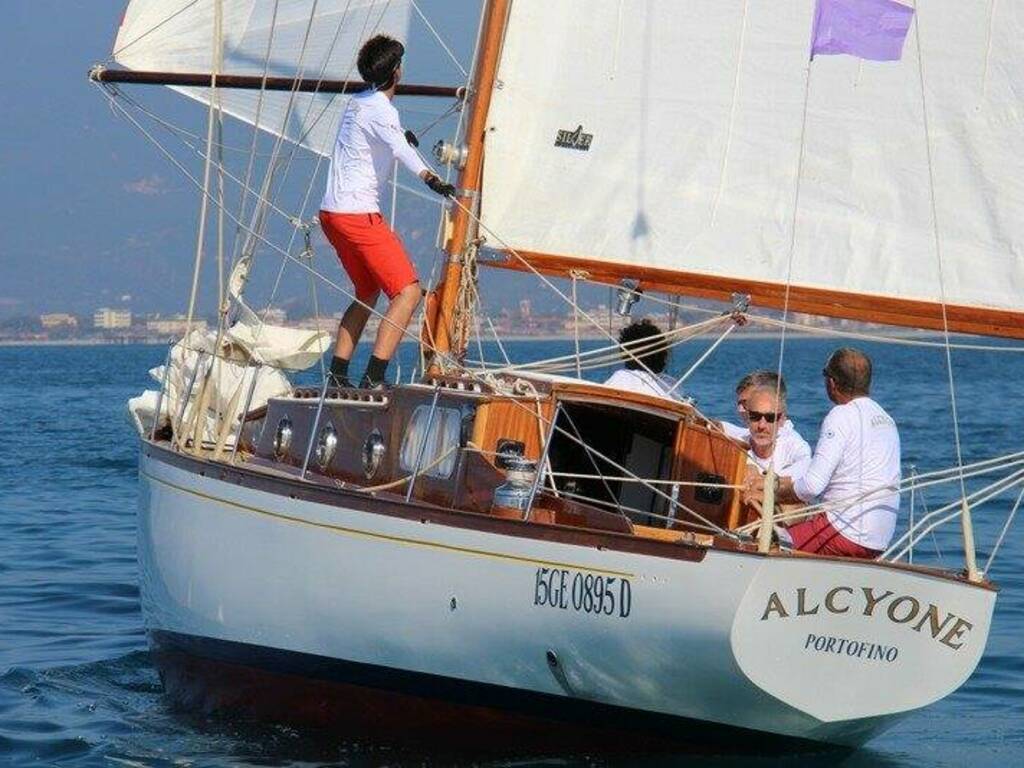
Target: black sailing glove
[443,188]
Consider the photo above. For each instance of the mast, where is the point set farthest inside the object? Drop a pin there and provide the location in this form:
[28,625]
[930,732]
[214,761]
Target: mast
[492,31]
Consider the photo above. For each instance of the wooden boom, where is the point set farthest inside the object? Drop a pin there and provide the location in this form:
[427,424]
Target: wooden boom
[101,74]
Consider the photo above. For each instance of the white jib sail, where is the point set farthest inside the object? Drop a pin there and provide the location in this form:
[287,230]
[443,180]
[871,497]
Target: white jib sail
[315,39]
[682,140]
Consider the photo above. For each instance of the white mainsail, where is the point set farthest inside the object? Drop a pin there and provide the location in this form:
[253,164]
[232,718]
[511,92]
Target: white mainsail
[681,152]
[315,39]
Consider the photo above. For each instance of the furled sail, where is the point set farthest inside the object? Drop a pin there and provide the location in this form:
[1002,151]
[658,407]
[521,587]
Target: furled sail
[667,141]
[315,39]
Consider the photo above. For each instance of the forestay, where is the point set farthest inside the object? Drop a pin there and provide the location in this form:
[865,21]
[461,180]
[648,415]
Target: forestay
[315,39]
[663,140]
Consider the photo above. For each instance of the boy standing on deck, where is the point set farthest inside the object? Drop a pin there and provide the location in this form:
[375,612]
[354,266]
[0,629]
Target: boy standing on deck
[370,138]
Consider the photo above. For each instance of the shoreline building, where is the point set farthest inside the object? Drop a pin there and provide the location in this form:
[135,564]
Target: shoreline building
[58,320]
[112,319]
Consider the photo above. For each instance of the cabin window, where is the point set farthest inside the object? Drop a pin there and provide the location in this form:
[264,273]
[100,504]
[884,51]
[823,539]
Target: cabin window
[443,440]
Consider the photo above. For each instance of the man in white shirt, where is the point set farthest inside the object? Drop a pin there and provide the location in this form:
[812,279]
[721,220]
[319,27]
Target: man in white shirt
[370,139]
[644,357]
[855,470]
[788,442]
[770,443]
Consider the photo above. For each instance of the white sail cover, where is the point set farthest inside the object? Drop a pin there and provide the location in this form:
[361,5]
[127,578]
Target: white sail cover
[694,112]
[316,39]
[248,349]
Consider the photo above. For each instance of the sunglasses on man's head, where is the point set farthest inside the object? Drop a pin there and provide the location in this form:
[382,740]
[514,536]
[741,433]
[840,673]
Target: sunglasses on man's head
[769,416]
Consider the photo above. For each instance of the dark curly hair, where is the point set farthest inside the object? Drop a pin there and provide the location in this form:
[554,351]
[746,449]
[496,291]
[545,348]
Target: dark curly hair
[379,59]
[652,355]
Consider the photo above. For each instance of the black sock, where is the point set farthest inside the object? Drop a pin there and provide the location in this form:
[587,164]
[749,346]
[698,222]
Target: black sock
[339,372]
[376,370]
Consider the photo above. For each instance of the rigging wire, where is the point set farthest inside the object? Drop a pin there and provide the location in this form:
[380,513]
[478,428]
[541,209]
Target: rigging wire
[320,158]
[439,39]
[309,269]
[244,196]
[947,346]
[732,114]
[823,331]
[289,256]
[906,486]
[1002,533]
[151,30]
[967,526]
[977,499]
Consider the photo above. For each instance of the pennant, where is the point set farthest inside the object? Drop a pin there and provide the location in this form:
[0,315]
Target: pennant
[869,29]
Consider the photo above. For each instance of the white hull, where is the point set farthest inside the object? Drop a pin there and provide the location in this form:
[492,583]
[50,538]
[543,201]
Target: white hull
[703,639]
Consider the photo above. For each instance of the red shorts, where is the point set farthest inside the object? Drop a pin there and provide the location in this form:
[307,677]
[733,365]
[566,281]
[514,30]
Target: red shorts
[817,535]
[370,252]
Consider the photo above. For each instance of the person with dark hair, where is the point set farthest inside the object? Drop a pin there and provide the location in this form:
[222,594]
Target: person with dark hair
[644,355]
[370,139]
[855,470]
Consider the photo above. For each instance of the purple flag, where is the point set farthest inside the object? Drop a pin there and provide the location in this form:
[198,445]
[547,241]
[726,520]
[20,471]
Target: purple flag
[870,29]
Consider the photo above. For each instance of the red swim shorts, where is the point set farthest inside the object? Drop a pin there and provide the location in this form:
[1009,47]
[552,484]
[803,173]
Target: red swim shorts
[370,252]
[817,535]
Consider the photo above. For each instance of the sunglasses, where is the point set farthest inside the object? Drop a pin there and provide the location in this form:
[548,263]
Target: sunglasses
[769,416]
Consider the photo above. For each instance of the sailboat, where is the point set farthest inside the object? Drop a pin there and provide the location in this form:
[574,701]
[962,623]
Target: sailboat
[527,557]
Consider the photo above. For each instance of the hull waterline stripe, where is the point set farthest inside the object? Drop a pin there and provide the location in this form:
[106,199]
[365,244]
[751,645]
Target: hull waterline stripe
[221,665]
[344,530]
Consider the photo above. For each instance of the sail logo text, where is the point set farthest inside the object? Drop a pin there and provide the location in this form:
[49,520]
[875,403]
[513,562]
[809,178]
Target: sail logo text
[574,139]
[944,627]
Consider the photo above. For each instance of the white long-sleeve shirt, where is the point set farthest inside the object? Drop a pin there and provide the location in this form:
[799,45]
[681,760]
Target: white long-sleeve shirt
[856,472]
[791,455]
[370,138]
[639,380]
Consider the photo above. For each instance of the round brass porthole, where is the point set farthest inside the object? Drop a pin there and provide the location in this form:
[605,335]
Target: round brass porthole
[373,453]
[283,438]
[326,445]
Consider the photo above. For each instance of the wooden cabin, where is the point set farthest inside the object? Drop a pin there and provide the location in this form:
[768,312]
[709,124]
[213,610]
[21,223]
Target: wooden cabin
[447,437]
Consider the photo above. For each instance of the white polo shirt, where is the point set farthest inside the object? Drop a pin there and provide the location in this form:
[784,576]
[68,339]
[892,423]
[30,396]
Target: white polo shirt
[370,138]
[639,380]
[792,454]
[856,471]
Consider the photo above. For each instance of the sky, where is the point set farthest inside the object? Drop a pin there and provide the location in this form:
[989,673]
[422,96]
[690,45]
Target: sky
[91,214]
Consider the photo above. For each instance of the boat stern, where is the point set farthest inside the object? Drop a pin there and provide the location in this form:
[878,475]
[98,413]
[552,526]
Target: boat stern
[852,641]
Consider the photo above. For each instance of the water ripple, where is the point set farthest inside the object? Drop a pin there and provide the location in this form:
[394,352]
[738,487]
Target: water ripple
[76,684]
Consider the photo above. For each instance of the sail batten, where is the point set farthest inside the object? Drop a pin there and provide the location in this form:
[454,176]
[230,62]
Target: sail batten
[666,141]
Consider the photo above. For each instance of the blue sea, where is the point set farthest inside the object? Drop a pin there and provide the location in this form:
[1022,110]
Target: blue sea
[76,684]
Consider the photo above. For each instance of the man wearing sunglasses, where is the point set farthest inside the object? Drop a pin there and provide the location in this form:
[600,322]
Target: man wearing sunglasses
[791,451]
[769,443]
[855,470]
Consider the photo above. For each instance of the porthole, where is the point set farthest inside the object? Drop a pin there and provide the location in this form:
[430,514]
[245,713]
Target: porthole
[326,445]
[373,453]
[283,438]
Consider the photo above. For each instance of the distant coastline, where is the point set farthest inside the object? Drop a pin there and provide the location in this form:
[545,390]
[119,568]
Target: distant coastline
[892,333]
